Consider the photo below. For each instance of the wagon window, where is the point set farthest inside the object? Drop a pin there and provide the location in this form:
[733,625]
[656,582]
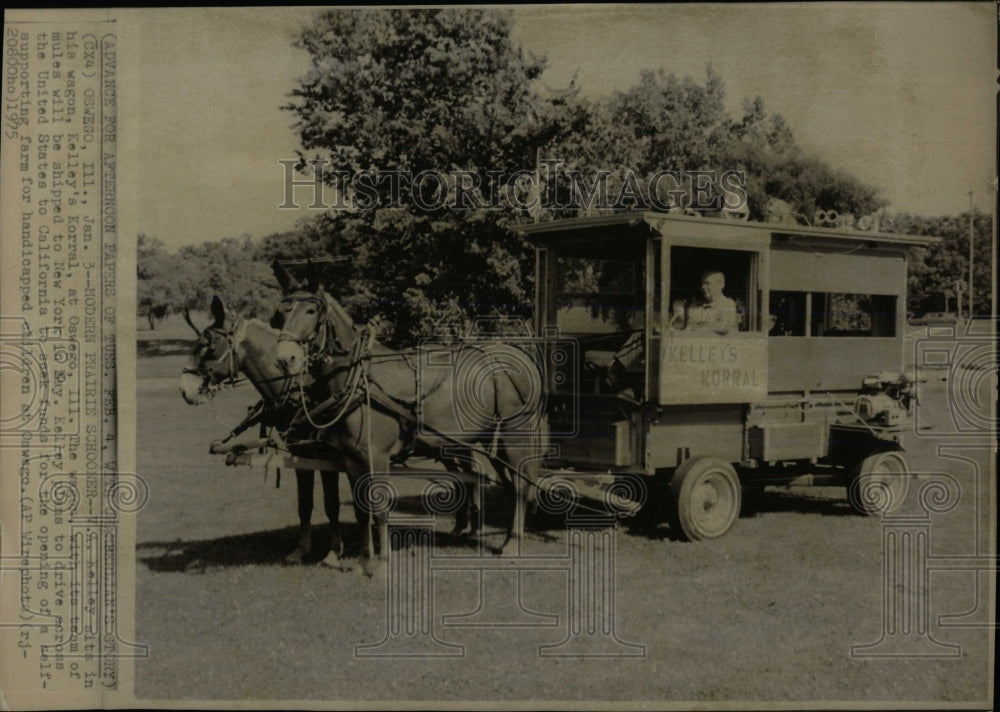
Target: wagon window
[787,314]
[688,266]
[598,296]
[837,314]
[582,275]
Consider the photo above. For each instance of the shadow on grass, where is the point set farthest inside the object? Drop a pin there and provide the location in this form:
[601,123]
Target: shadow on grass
[269,548]
[651,522]
[164,347]
[803,503]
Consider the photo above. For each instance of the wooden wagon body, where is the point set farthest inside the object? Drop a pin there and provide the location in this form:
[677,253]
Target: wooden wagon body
[806,389]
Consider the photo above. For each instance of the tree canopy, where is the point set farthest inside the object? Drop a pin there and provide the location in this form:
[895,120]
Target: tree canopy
[449,91]
[188,279]
[420,118]
[410,91]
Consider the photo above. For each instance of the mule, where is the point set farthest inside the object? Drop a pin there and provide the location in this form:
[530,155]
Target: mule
[471,396]
[224,350]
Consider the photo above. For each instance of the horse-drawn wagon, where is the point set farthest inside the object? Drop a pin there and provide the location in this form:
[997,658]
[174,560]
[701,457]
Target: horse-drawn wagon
[676,361]
[719,356]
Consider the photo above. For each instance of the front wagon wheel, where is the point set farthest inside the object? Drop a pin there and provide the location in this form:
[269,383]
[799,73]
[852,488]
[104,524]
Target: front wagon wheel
[705,494]
[880,484]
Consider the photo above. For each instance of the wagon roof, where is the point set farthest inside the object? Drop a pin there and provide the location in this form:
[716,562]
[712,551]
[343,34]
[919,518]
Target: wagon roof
[557,230]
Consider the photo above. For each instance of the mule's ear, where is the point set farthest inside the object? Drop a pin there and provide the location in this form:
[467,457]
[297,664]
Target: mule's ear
[187,318]
[282,275]
[312,278]
[218,312]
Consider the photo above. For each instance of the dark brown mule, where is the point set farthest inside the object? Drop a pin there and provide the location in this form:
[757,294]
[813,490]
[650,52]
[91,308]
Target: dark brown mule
[224,350]
[472,396]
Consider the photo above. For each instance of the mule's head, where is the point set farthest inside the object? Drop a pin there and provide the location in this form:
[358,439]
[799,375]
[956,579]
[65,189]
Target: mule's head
[300,317]
[214,359]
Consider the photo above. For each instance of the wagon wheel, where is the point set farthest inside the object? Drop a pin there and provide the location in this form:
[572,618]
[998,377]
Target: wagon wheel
[880,484]
[706,498]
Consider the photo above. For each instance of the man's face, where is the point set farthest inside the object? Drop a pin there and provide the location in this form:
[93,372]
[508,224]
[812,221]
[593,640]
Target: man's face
[712,286]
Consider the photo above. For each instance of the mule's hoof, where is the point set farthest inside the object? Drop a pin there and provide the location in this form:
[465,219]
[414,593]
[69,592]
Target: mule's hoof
[374,567]
[297,556]
[508,548]
[333,561]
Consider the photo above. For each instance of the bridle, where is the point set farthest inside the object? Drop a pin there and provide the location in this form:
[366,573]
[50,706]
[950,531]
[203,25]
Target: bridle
[315,344]
[229,355]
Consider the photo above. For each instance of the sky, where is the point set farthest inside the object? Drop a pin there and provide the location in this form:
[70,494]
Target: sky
[902,95]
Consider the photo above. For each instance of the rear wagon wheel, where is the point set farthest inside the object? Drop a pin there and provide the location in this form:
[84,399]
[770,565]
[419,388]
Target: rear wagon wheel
[880,484]
[706,498]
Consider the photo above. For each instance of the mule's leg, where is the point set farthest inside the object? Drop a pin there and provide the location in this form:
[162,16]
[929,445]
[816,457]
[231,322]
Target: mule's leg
[519,484]
[515,492]
[381,514]
[472,494]
[467,514]
[331,504]
[304,481]
[462,513]
[358,475]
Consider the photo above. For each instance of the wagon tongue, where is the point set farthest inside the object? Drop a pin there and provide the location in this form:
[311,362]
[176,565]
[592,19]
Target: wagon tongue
[596,487]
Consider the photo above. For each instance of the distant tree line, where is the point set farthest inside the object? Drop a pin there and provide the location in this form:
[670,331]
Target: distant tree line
[935,270]
[448,90]
[186,280]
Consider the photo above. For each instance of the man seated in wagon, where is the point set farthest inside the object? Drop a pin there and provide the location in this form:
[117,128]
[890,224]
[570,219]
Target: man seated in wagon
[716,314]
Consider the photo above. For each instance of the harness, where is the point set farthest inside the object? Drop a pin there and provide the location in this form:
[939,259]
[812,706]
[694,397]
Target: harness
[362,389]
[320,332]
[262,412]
[232,368]
[348,398]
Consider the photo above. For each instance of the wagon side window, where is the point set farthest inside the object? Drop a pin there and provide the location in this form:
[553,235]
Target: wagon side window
[597,296]
[837,314]
[787,313]
[734,272]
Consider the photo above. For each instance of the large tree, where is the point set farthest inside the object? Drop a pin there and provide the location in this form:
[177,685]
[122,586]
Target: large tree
[412,91]
[449,91]
[664,123]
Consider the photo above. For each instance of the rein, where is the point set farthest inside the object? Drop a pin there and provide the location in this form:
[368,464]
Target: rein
[360,353]
[360,386]
[233,376]
[319,335]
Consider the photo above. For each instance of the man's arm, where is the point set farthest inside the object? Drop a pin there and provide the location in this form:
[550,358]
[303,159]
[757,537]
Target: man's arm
[726,317]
